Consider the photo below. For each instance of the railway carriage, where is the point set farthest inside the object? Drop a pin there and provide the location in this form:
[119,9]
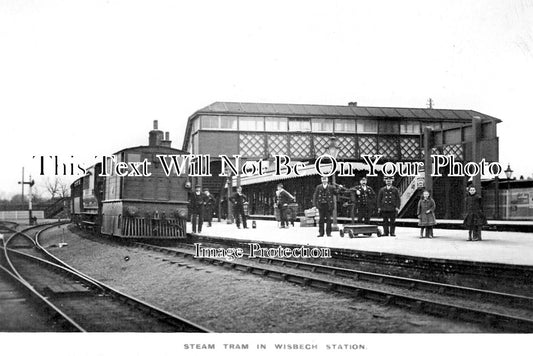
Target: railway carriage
[86,197]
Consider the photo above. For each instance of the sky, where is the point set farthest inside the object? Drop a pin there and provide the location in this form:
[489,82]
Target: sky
[87,78]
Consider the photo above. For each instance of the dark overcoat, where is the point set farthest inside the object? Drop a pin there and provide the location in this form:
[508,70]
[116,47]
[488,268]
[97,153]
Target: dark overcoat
[364,197]
[196,203]
[425,218]
[324,195]
[474,212]
[388,199]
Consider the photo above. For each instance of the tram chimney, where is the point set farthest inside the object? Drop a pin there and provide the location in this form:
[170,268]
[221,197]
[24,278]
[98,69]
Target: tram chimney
[166,142]
[155,136]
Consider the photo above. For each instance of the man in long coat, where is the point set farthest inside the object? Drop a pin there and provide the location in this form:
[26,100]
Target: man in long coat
[389,206]
[323,200]
[196,208]
[209,206]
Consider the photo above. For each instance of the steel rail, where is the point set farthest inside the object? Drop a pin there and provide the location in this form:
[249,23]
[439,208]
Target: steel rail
[181,323]
[428,306]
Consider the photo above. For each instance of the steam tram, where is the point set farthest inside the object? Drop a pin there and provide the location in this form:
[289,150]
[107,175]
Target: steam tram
[130,206]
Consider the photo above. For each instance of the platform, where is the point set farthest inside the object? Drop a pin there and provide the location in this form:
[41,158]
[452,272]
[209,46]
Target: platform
[513,248]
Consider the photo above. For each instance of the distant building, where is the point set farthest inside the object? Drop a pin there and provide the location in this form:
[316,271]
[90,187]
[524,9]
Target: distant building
[302,132]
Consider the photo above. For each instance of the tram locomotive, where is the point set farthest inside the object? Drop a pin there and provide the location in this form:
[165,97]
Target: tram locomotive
[133,206]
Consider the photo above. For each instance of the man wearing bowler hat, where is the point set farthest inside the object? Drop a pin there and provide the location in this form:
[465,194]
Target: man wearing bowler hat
[389,206]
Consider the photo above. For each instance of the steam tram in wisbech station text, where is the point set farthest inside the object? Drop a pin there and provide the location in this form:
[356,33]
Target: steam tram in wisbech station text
[152,206]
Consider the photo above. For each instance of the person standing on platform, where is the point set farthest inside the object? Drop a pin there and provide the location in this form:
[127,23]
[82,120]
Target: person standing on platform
[238,199]
[365,198]
[196,208]
[475,218]
[283,198]
[323,200]
[209,207]
[426,214]
[389,206]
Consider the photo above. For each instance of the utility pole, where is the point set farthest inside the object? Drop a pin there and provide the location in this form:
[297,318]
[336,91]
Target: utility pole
[30,182]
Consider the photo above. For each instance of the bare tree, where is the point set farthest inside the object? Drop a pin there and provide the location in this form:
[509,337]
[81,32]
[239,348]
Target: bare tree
[52,186]
[64,189]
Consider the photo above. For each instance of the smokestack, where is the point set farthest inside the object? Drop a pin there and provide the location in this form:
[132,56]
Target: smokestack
[166,142]
[155,136]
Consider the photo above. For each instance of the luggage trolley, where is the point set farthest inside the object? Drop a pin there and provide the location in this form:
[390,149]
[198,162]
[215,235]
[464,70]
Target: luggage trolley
[359,230]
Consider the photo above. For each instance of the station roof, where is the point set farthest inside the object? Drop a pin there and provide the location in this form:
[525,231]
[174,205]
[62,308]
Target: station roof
[309,110]
[333,111]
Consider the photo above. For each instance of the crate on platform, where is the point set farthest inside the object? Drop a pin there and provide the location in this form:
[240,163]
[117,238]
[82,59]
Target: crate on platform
[311,213]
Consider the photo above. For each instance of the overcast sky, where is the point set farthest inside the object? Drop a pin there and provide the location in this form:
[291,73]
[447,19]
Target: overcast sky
[87,78]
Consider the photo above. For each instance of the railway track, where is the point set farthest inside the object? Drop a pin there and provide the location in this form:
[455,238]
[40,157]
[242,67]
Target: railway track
[499,310]
[81,302]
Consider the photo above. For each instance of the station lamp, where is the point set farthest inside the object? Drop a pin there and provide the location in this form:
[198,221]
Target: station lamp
[508,172]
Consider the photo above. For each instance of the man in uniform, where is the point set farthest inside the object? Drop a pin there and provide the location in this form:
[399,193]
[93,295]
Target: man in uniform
[365,198]
[283,198]
[238,199]
[209,206]
[196,208]
[323,200]
[389,206]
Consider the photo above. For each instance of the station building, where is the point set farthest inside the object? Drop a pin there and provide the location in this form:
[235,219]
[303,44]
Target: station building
[303,132]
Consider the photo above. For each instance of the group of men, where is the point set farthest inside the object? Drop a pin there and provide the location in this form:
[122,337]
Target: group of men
[365,201]
[202,206]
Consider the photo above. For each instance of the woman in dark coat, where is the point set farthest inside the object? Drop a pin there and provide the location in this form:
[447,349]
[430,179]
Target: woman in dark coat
[426,214]
[475,218]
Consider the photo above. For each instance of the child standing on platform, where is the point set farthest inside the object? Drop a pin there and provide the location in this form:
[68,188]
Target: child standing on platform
[475,218]
[426,214]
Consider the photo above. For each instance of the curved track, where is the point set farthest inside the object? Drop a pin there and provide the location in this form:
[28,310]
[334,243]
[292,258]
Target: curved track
[87,304]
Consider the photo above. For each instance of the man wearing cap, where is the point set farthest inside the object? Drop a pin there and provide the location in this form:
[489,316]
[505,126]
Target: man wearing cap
[238,199]
[365,198]
[388,206]
[283,198]
[196,208]
[209,207]
[323,200]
